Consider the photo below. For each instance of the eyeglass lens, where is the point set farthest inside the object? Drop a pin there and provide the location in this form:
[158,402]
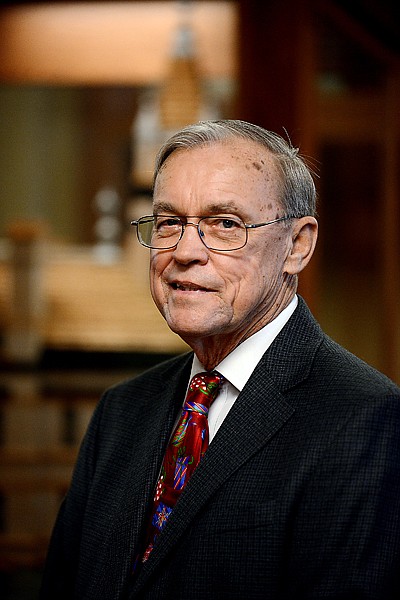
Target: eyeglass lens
[217,233]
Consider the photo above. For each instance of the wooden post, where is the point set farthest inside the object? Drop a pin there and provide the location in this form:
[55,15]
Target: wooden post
[390,219]
[23,338]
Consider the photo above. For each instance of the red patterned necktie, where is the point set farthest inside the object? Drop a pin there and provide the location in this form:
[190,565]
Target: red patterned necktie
[184,451]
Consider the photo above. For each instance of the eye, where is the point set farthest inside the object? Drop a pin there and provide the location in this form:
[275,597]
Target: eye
[167,222]
[225,223]
[229,224]
[166,226]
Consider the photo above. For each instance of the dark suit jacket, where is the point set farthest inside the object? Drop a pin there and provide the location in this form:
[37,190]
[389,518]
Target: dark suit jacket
[297,497]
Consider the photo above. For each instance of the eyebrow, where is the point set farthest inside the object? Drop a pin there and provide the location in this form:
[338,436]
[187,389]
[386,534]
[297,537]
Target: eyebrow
[163,207]
[210,209]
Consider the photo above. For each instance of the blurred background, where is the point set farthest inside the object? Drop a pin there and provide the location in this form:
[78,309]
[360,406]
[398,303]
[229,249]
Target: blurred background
[88,92]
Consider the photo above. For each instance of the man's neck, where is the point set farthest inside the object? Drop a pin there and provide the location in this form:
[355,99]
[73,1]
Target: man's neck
[212,350]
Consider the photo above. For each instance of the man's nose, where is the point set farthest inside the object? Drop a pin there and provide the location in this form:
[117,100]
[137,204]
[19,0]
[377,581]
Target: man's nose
[190,247]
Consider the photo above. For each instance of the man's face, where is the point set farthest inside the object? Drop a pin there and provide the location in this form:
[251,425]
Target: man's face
[226,296]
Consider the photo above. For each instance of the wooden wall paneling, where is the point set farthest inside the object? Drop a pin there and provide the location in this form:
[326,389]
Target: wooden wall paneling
[277,83]
[390,230]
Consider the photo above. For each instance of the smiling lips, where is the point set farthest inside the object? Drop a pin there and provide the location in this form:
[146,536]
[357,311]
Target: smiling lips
[188,287]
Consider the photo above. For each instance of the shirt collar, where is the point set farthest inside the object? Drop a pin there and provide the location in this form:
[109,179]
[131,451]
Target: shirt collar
[238,366]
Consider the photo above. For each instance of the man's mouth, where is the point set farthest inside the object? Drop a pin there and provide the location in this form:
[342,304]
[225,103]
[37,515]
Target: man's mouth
[188,287]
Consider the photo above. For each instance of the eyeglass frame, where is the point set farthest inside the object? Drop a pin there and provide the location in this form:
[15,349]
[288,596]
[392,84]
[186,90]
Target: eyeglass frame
[247,226]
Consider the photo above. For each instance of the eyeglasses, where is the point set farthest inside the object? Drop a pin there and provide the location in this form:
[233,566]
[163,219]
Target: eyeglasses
[223,233]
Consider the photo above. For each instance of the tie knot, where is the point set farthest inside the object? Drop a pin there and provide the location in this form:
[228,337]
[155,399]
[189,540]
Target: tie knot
[203,389]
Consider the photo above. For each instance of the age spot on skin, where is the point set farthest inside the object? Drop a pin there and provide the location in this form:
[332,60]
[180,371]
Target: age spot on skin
[257,166]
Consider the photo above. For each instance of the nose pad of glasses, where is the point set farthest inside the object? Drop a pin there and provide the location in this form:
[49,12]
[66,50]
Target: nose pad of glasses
[199,231]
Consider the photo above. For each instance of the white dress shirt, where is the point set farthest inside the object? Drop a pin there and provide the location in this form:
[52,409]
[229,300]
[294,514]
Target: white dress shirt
[238,366]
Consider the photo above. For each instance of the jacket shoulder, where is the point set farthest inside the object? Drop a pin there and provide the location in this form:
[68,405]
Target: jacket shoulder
[304,355]
[348,371]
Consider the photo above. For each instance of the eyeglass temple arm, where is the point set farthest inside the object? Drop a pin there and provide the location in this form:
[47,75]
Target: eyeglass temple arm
[255,225]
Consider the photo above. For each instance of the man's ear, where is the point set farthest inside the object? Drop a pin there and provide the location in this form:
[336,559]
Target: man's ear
[303,241]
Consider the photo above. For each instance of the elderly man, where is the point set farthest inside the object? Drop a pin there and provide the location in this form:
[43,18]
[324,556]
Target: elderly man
[278,476]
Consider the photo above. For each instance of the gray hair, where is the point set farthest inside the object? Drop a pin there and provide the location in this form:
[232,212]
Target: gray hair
[298,194]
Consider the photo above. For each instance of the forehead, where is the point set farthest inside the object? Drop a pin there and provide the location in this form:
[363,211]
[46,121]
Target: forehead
[243,153]
[233,167]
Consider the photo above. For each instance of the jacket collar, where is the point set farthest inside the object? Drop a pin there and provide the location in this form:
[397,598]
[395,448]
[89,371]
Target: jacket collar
[290,357]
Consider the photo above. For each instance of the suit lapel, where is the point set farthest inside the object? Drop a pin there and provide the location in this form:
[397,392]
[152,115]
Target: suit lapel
[157,417]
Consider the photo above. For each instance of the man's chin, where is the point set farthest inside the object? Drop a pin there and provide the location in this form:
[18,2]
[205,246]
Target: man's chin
[197,324]
[185,331]
[190,331]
